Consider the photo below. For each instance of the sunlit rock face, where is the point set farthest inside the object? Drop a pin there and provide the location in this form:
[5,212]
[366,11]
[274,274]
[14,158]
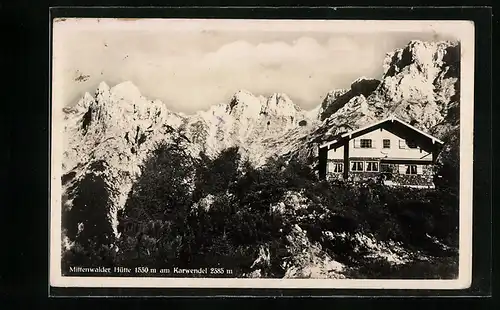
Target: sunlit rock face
[120,127]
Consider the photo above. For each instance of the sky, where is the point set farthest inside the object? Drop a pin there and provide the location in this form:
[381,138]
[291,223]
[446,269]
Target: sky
[193,64]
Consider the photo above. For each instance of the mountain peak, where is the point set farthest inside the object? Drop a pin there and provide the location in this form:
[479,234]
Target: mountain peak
[279,97]
[280,104]
[87,97]
[415,42]
[243,96]
[280,101]
[243,92]
[102,87]
[361,79]
[126,89]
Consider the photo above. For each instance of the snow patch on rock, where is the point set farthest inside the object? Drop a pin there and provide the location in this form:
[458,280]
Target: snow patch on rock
[392,251]
[308,260]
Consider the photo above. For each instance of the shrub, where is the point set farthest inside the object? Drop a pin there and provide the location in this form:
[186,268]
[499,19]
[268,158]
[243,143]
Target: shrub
[174,227]
[237,220]
[86,222]
[410,216]
[160,198]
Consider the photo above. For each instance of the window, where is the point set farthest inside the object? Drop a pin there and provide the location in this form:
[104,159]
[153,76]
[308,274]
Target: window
[386,144]
[411,169]
[366,143]
[335,167]
[357,166]
[372,166]
[338,167]
[402,144]
[386,168]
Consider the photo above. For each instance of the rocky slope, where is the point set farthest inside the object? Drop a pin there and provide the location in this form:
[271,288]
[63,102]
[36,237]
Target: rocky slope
[420,85]
[246,121]
[116,128]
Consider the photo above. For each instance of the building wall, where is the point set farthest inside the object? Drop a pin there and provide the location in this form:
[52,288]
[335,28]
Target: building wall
[422,169]
[377,151]
[395,151]
[398,149]
[336,153]
[397,155]
[423,178]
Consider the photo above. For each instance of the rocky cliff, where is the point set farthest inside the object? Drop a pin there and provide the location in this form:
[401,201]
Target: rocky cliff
[119,128]
[118,125]
[110,132]
[420,85]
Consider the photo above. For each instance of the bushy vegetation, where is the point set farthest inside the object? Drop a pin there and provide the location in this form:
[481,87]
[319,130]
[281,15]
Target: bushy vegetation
[165,223]
[220,212]
[415,218]
[86,222]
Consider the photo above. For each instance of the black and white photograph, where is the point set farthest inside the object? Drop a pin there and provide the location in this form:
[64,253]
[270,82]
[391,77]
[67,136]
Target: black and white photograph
[261,153]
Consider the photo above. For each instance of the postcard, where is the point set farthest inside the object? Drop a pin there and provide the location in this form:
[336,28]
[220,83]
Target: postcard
[233,153]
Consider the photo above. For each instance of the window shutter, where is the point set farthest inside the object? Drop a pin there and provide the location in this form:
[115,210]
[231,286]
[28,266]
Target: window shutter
[374,143]
[356,143]
[420,169]
[402,169]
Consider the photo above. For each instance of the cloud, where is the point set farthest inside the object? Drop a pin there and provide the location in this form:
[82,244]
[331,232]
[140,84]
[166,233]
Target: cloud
[303,50]
[190,73]
[338,43]
[304,69]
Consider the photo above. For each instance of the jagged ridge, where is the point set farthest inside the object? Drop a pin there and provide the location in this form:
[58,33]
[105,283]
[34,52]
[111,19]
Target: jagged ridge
[120,126]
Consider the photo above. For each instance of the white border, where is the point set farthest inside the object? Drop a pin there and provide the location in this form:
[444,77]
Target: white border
[463,30]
